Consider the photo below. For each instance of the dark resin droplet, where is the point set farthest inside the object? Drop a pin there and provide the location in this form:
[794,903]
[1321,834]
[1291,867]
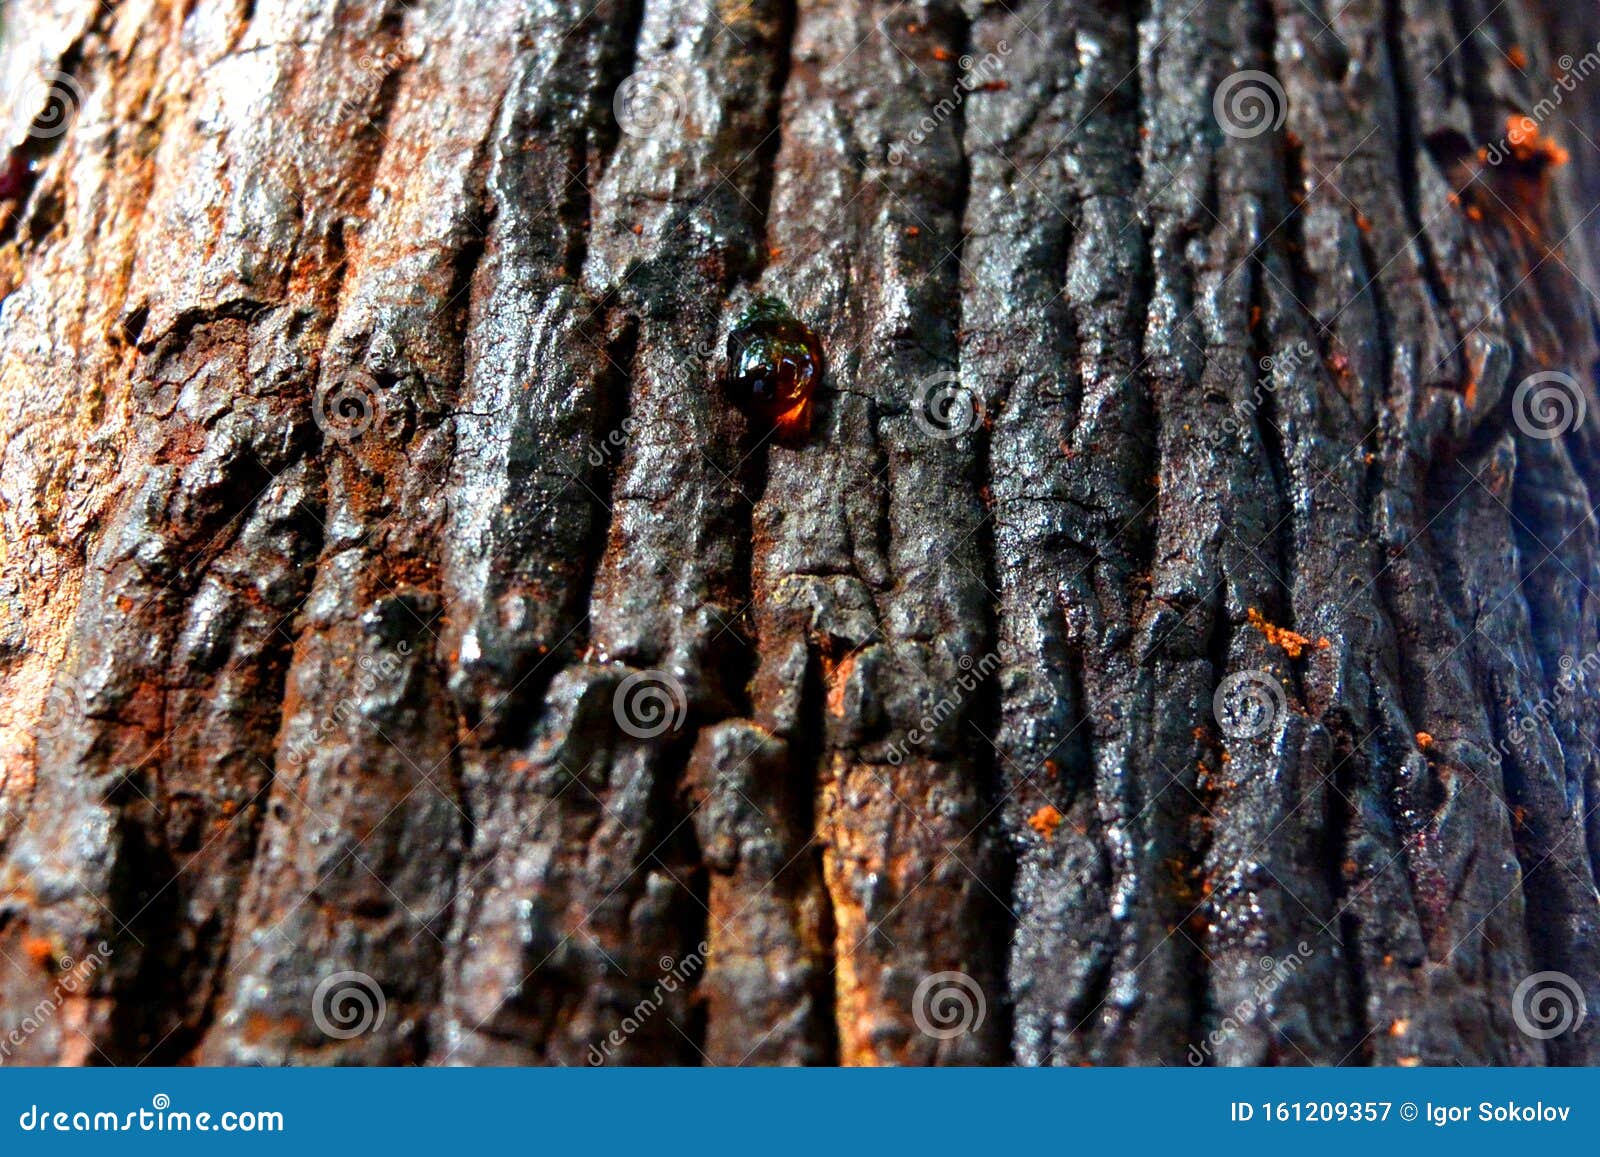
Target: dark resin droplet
[774,362]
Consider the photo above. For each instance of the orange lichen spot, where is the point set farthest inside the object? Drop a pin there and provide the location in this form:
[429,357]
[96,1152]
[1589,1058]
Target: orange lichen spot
[1052,768]
[913,231]
[1388,961]
[1529,146]
[1424,740]
[1350,868]
[774,253]
[1474,213]
[1408,1062]
[1337,362]
[1226,758]
[1144,133]
[39,950]
[943,54]
[637,229]
[1399,1027]
[1291,641]
[1517,57]
[838,680]
[1255,316]
[1362,223]
[1045,821]
[1519,816]
[994,86]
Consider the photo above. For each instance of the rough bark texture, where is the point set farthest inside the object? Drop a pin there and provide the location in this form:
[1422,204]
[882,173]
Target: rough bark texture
[362,439]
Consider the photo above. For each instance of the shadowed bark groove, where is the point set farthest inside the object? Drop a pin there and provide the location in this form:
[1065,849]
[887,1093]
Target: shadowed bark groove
[1175,640]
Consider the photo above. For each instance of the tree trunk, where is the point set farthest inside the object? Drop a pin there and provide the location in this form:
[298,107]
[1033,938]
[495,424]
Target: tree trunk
[1173,641]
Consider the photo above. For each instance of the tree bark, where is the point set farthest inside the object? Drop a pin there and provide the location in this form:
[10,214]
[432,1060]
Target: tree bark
[1215,684]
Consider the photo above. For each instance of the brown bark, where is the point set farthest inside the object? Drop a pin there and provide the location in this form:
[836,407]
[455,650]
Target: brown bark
[364,462]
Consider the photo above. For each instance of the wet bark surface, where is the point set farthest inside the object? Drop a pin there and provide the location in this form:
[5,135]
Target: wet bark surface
[1174,640]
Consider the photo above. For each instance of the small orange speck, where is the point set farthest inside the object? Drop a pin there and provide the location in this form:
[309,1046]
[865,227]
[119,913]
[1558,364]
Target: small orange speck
[1362,223]
[774,253]
[942,54]
[1517,57]
[1408,1062]
[912,231]
[1474,213]
[1144,133]
[39,950]
[1528,145]
[1045,821]
[638,229]
[1399,1027]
